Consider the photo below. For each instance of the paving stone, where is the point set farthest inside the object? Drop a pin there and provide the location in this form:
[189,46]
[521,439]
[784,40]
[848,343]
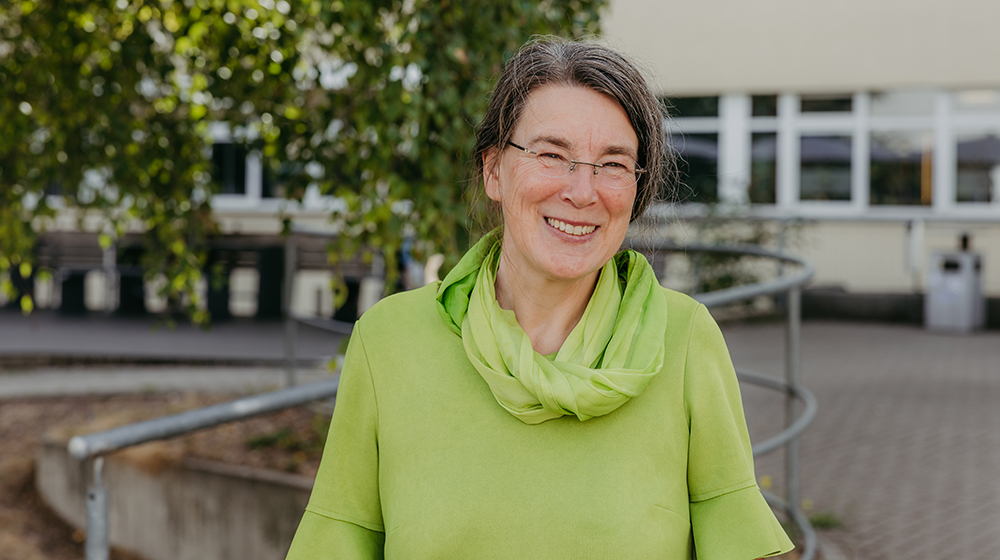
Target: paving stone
[905,448]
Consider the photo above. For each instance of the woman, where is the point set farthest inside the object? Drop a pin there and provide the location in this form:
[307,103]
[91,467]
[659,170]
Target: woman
[548,399]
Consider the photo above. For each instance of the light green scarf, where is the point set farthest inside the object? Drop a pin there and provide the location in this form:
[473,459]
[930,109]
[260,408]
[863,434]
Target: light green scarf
[608,358]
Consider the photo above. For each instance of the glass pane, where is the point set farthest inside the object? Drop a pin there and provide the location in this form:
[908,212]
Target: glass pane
[229,165]
[763,171]
[978,101]
[827,103]
[902,103]
[978,178]
[825,167]
[275,182]
[765,105]
[699,167]
[901,170]
[692,106]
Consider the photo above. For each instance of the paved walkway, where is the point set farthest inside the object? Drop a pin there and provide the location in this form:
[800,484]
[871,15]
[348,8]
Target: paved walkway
[904,450]
[96,337]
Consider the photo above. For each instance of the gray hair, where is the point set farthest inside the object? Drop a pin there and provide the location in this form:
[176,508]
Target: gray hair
[553,61]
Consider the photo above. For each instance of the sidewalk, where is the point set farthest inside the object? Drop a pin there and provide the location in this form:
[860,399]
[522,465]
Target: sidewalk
[905,448]
[98,338]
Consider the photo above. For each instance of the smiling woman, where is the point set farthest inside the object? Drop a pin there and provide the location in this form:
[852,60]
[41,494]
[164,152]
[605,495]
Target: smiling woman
[559,231]
[548,398]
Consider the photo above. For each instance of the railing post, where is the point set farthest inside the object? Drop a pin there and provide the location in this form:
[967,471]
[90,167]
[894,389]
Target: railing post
[793,374]
[291,264]
[109,263]
[97,516]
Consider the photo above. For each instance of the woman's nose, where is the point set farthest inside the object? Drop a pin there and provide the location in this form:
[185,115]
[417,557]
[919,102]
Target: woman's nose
[581,186]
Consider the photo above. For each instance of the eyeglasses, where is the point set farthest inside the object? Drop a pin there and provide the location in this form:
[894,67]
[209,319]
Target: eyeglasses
[617,172]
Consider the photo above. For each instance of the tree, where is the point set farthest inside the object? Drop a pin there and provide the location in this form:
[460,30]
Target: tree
[373,102]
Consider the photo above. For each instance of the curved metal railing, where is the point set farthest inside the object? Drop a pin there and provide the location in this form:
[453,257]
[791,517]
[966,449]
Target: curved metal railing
[94,446]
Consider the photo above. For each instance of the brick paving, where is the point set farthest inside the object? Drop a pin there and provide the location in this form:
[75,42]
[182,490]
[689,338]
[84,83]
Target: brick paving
[905,448]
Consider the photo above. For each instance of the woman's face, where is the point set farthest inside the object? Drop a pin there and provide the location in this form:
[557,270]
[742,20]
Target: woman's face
[566,228]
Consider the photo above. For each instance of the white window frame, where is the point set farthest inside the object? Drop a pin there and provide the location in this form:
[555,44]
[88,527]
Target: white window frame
[735,126]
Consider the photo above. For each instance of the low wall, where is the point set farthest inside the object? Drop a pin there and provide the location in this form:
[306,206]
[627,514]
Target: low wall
[181,510]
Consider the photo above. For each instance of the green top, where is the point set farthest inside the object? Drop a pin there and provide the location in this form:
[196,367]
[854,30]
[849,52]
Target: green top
[423,463]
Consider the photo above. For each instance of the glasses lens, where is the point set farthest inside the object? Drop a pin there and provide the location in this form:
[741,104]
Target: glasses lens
[553,165]
[620,179]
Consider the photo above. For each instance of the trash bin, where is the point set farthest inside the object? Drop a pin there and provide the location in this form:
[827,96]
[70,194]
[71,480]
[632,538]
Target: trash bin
[954,300]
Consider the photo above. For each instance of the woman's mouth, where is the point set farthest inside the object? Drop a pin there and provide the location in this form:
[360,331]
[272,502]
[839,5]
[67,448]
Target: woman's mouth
[570,229]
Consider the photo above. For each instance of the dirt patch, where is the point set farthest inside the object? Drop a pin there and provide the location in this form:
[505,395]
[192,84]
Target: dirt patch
[288,441]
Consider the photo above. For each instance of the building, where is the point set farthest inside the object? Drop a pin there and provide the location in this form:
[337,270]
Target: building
[876,125]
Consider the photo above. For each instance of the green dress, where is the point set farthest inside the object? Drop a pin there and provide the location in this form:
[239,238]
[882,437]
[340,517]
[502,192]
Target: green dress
[423,463]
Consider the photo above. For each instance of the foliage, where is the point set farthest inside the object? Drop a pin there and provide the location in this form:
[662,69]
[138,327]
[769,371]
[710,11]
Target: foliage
[826,520]
[299,445]
[718,271]
[94,110]
[110,102]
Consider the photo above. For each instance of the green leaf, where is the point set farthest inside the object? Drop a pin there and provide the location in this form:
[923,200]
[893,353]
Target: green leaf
[27,304]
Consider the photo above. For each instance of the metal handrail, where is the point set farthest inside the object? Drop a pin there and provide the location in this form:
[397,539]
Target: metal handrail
[798,426]
[91,445]
[782,283]
[97,444]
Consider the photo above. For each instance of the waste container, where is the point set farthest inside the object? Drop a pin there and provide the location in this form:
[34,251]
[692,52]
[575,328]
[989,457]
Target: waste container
[954,299]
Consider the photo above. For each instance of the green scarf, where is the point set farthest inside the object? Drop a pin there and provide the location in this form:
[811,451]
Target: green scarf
[609,357]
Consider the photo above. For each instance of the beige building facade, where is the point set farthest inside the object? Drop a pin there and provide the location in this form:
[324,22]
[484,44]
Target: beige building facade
[875,126]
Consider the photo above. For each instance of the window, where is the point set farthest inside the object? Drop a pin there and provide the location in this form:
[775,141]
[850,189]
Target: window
[978,101]
[827,103]
[978,167]
[901,168]
[825,167]
[699,167]
[229,163]
[680,107]
[764,106]
[274,178]
[763,168]
[905,103]
[814,152]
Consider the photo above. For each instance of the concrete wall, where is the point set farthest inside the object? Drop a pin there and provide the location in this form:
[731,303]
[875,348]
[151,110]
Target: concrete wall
[881,257]
[195,510]
[717,46]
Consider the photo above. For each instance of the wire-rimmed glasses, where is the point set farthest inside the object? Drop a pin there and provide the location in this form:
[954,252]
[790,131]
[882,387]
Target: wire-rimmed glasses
[617,172]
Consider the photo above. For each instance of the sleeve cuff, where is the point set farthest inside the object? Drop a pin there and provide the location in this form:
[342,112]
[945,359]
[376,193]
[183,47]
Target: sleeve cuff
[321,537]
[737,526]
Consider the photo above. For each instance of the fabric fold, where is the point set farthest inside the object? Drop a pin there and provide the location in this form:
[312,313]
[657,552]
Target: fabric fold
[737,525]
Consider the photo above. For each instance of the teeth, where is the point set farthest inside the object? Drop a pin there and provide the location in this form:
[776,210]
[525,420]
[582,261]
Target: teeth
[572,230]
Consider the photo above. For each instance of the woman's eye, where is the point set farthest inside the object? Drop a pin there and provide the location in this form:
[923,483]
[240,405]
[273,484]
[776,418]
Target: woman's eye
[616,165]
[549,155]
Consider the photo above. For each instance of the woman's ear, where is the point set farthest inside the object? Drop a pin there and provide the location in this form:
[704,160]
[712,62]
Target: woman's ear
[491,170]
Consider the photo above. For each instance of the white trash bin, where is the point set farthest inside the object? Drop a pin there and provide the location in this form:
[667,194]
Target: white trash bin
[954,299]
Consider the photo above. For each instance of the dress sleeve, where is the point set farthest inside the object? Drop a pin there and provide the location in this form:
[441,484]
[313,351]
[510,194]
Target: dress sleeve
[729,518]
[344,517]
